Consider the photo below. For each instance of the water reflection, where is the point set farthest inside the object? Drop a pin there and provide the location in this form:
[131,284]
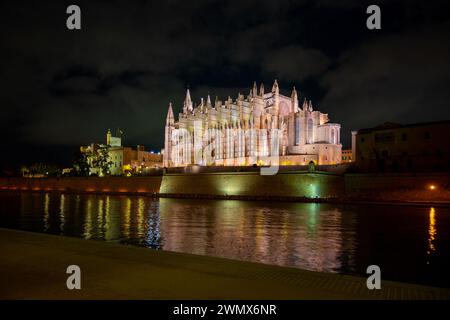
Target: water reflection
[432,231]
[46,212]
[62,218]
[87,234]
[311,236]
[294,235]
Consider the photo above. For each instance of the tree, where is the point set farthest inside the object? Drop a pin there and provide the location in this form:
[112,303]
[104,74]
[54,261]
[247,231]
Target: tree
[45,169]
[93,160]
[80,164]
[101,160]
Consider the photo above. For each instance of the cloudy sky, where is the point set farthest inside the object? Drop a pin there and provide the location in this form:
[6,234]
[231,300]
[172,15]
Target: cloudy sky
[131,58]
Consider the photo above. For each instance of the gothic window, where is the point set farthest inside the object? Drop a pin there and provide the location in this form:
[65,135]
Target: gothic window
[309,133]
[297,131]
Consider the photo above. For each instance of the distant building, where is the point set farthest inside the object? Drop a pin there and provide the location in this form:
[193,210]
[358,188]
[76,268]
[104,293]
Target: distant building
[394,147]
[140,160]
[347,156]
[120,159]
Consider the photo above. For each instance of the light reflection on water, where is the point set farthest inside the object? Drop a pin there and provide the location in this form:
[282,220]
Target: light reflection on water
[432,230]
[404,241]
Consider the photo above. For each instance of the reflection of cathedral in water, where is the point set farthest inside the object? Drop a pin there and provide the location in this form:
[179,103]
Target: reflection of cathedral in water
[301,235]
[305,235]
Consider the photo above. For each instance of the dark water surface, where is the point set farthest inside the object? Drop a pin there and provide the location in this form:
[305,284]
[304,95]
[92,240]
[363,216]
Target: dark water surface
[410,244]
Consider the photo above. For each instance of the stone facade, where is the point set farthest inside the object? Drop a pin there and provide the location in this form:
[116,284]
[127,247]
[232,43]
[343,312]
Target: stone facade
[392,147]
[260,129]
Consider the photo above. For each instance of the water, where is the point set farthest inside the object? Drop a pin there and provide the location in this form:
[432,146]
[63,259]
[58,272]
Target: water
[410,244]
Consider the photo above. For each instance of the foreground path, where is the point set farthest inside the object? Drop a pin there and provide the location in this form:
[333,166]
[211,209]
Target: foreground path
[33,266]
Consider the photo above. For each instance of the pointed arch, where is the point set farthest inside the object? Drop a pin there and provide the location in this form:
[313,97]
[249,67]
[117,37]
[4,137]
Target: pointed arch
[309,130]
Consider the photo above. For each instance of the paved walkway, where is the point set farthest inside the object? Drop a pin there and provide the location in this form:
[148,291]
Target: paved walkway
[33,266]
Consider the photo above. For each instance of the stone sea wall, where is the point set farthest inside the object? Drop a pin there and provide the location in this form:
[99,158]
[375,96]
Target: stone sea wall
[252,184]
[288,185]
[398,186]
[145,185]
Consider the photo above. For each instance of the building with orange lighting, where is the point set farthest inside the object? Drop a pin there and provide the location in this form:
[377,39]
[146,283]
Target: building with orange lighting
[347,156]
[139,160]
[122,160]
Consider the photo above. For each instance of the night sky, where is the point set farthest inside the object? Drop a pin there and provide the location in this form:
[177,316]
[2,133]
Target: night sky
[61,88]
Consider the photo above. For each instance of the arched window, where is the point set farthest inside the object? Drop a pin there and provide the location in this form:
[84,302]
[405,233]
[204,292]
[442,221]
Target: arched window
[309,133]
[297,130]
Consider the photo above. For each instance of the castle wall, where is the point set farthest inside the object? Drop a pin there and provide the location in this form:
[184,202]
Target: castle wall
[143,185]
[404,187]
[288,184]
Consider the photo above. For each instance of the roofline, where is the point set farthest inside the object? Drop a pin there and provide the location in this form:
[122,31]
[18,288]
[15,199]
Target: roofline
[400,126]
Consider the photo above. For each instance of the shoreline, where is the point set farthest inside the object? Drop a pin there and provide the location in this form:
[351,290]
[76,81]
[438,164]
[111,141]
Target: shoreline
[156,195]
[34,265]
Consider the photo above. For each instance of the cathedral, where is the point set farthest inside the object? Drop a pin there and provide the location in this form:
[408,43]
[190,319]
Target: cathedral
[264,128]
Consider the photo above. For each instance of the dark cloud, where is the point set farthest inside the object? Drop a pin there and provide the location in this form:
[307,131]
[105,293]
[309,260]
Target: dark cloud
[398,77]
[295,62]
[132,58]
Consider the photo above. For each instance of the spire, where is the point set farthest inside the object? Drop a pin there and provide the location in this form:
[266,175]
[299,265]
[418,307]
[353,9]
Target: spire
[294,98]
[310,106]
[188,95]
[294,93]
[275,88]
[305,105]
[187,102]
[208,101]
[261,89]
[255,90]
[108,137]
[170,118]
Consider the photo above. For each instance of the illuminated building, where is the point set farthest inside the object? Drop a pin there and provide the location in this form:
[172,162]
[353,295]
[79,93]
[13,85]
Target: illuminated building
[347,156]
[121,159]
[250,130]
[137,160]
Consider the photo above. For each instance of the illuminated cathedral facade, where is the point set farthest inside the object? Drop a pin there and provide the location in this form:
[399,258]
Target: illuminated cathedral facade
[262,128]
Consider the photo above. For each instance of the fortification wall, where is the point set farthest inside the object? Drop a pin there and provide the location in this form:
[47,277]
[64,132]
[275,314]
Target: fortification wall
[398,186]
[247,184]
[251,185]
[85,184]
